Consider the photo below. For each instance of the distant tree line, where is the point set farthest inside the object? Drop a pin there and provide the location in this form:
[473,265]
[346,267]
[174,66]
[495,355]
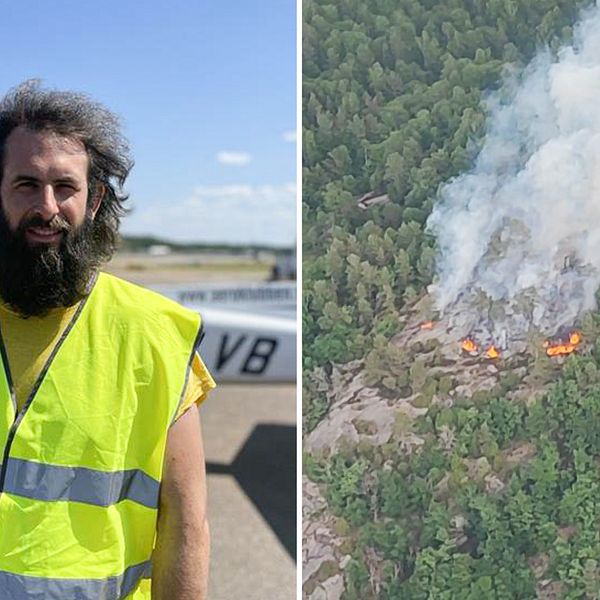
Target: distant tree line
[130,243]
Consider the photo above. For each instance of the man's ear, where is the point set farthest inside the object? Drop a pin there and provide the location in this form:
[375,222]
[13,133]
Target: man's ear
[97,199]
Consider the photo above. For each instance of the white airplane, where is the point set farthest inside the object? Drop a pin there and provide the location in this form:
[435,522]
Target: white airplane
[250,329]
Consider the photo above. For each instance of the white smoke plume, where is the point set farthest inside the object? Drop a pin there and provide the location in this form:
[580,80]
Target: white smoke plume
[522,228]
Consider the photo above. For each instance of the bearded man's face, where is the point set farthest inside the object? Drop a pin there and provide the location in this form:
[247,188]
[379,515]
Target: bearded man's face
[48,246]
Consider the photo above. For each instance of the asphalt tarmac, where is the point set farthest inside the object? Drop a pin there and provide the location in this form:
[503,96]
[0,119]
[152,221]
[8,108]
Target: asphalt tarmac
[250,445]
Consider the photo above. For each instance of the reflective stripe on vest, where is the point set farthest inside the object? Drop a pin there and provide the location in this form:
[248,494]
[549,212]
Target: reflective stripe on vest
[83,459]
[23,587]
[79,484]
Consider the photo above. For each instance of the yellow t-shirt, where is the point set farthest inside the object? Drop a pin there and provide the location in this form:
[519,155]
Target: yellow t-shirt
[29,343]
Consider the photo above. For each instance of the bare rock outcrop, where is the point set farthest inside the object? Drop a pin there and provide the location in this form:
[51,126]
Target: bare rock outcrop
[323,560]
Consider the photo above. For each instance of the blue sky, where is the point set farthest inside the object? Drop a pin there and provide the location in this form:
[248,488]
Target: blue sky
[207,94]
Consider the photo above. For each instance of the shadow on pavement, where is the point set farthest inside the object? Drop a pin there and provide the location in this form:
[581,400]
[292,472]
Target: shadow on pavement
[265,468]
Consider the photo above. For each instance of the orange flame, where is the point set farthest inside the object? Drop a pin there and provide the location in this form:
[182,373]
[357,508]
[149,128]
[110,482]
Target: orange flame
[492,352]
[468,345]
[427,325]
[561,349]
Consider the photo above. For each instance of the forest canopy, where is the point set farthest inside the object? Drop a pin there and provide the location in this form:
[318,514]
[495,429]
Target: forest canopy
[393,105]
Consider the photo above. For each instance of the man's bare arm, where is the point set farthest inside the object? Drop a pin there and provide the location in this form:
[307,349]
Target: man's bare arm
[180,560]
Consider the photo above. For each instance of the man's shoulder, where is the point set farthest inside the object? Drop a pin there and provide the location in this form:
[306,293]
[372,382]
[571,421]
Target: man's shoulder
[132,297]
[123,289]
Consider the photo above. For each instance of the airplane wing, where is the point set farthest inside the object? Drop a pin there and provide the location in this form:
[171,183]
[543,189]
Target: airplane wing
[248,347]
[250,329]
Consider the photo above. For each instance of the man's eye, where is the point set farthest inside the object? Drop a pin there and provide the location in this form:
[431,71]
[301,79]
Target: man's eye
[25,185]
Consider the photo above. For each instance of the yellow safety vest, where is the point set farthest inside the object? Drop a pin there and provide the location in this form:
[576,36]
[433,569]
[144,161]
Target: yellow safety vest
[81,464]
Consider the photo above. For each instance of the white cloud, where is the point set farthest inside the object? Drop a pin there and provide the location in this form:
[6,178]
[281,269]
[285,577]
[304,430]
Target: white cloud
[236,214]
[236,159]
[289,136]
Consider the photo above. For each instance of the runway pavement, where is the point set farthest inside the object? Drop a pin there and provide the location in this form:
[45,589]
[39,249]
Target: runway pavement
[250,445]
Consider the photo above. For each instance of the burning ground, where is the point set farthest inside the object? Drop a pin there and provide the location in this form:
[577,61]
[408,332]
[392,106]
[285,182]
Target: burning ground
[434,362]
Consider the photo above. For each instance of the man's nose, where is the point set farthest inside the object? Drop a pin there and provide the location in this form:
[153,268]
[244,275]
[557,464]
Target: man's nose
[47,204]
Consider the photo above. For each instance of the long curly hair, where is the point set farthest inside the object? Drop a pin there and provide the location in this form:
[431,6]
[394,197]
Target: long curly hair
[75,115]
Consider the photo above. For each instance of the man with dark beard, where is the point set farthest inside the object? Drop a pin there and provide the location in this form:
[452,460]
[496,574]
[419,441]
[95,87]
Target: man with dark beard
[102,480]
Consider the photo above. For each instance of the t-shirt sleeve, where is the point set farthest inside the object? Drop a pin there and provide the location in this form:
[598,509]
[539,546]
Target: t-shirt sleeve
[199,384]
